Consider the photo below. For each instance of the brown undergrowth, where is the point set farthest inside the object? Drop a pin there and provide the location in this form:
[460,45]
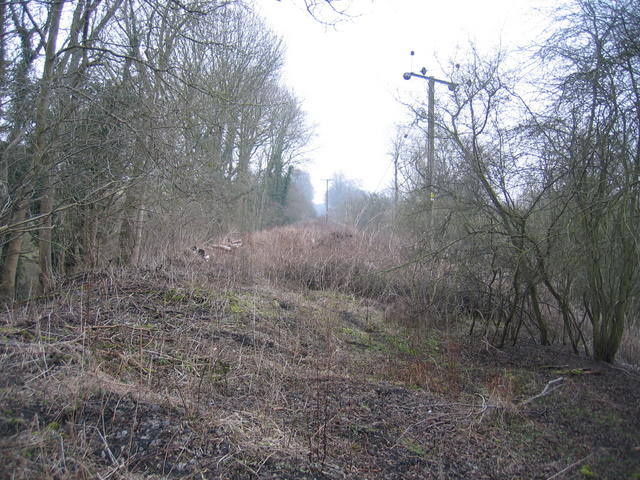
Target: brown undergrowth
[218,370]
[319,257]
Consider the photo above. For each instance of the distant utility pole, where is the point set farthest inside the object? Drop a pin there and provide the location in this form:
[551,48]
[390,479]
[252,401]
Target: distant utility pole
[431,122]
[326,200]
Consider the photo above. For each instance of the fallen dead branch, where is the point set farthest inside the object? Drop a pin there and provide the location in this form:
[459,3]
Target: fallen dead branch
[570,467]
[550,387]
[577,371]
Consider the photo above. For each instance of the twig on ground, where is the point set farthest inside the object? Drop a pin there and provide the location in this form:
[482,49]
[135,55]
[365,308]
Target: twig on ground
[548,388]
[107,449]
[570,467]
[418,423]
[488,345]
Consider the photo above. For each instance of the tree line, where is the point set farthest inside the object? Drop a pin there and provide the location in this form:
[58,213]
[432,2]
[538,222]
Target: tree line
[126,123]
[536,204]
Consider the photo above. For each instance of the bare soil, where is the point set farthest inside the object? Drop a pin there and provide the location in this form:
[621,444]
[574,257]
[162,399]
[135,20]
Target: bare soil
[159,376]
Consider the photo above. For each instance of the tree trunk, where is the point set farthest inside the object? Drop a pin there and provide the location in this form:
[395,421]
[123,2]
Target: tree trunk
[607,334]
[90,238]
[10,267]
[44,242]
[540,323]
[42,161]
[134,260]
[4,172]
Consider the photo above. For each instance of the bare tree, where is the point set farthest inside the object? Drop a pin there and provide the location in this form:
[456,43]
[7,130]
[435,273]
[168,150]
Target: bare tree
[141,109]
[535,201]
[595,142]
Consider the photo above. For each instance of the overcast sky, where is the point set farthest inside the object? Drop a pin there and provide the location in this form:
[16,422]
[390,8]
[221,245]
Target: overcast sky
[350,77]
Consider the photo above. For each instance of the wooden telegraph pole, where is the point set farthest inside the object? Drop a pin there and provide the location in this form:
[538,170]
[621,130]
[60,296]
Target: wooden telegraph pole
[326,200]
[431,122]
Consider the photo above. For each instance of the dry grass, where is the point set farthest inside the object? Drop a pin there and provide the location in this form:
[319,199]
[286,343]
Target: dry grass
[219,368]
[317,256]
[94,371]
[320,257]
[501,398]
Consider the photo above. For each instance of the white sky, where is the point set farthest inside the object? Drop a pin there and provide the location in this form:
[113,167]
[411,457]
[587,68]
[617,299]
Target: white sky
[350,76]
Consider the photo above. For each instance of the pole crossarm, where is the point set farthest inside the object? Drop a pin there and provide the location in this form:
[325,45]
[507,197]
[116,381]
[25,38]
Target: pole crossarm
[407,76]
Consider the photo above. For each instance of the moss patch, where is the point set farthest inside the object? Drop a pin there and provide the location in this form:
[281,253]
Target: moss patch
[176,296]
